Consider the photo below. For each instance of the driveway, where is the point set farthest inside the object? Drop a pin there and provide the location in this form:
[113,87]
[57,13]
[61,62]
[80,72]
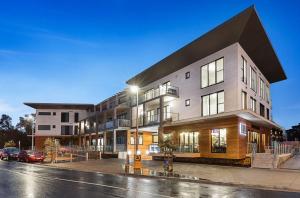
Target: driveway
[293,163]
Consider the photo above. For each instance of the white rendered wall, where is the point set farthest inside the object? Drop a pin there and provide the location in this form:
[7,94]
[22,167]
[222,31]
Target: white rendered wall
[56,120]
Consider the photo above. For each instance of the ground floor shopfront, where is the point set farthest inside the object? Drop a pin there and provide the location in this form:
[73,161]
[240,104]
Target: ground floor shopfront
[220,138]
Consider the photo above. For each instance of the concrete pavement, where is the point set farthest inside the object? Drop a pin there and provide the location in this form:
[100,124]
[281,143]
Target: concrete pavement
[262,178]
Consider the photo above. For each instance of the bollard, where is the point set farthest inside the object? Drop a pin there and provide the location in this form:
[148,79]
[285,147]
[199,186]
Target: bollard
[100,157]
[71,159]
[87,156]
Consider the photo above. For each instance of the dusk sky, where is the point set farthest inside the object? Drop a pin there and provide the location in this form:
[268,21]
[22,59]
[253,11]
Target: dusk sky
[84,51]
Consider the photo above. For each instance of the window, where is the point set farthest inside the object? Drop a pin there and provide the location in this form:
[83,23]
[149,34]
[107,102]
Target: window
[244,100]
[213,103]
[187,75]
[76,117]
[253,80]
[149,94]
[76,130]
[151,117]
[262,110]
[252,104]
[53,126]
[268,114]
[218,141]
[165,87]
[243,129]
[187,102]
[244,70]
[132,139]
[261,89]
[67,130]
[167,112]
[44,127]
[54,113]
[189,142]
[154,138]
[45,113]
[267,94]
[212,73]
[65,117]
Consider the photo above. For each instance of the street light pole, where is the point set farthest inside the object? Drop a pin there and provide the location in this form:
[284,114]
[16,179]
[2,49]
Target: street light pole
[137,123]
[32,134]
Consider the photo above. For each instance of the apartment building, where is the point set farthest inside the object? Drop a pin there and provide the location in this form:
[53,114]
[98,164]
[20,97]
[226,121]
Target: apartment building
[106,128]
[59,121]
[212,97]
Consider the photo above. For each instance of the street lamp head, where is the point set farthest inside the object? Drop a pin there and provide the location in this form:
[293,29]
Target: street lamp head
[134,88]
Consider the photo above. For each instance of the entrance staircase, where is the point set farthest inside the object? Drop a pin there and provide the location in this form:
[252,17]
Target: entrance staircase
[263,160]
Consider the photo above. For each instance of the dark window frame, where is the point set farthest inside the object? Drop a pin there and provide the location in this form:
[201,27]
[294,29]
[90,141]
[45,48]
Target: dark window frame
[188,102]
[187,75]
[44,113]
[208,73]
[44,127]
[209,114]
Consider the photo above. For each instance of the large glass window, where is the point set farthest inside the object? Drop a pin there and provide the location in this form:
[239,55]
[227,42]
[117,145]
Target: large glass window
[218,141]
[261,89]
[253,80]
[244,100]
[167,112]
[262,110]
[252,104]
[149,94]
[76,117]
[65,117]
[267,94]
[189,142]
[213,103]
[132,139]
[212,73]
[244,70]
[67,130]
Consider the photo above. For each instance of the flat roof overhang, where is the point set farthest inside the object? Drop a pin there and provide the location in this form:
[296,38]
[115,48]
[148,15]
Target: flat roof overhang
[244,28]
[59,106]
[244,114]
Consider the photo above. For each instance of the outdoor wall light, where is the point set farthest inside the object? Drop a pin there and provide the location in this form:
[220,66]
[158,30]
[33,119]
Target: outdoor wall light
[138,152]
[129,152]
[134,88]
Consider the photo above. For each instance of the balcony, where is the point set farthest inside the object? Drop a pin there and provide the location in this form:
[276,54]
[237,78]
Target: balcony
[155,93]
[155,119]
[114,124]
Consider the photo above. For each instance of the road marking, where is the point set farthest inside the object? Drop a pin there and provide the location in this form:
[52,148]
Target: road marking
[83,182]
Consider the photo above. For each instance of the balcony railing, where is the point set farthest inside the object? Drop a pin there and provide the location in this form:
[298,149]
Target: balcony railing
[155,93]
[155,119]
[114,124]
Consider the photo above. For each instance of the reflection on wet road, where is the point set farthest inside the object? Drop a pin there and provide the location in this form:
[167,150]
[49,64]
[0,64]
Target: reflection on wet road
[26,180]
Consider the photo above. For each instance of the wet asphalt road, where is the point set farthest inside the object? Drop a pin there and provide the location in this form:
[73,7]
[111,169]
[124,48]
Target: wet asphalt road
[25,180]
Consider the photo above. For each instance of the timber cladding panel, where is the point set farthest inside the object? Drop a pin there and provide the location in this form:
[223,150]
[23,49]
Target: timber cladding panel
[234,149]
[147,140]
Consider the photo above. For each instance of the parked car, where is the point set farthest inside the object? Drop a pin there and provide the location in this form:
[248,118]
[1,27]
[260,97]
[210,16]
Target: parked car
[31,156]
[1,151]
[10,153]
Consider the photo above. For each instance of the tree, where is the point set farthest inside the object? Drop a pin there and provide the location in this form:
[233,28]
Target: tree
[6,123]
[25,124]
[10,143]
[168,147]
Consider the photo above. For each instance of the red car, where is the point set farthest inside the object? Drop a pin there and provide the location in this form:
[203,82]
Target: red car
[31,156]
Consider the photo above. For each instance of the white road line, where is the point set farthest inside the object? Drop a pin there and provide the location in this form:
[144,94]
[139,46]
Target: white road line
[83,182]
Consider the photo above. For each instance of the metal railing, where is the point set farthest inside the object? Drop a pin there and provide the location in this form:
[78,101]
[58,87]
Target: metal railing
[155,93]
[114,124]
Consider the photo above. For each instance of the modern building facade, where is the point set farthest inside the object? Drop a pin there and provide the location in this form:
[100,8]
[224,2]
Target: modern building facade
[210,98]
[59,121]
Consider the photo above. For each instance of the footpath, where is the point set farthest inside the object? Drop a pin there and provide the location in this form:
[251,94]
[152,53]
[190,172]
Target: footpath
[278,179]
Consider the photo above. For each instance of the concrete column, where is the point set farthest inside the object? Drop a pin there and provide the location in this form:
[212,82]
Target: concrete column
[161,119]
[104,141]
[97,126]
[114,141]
